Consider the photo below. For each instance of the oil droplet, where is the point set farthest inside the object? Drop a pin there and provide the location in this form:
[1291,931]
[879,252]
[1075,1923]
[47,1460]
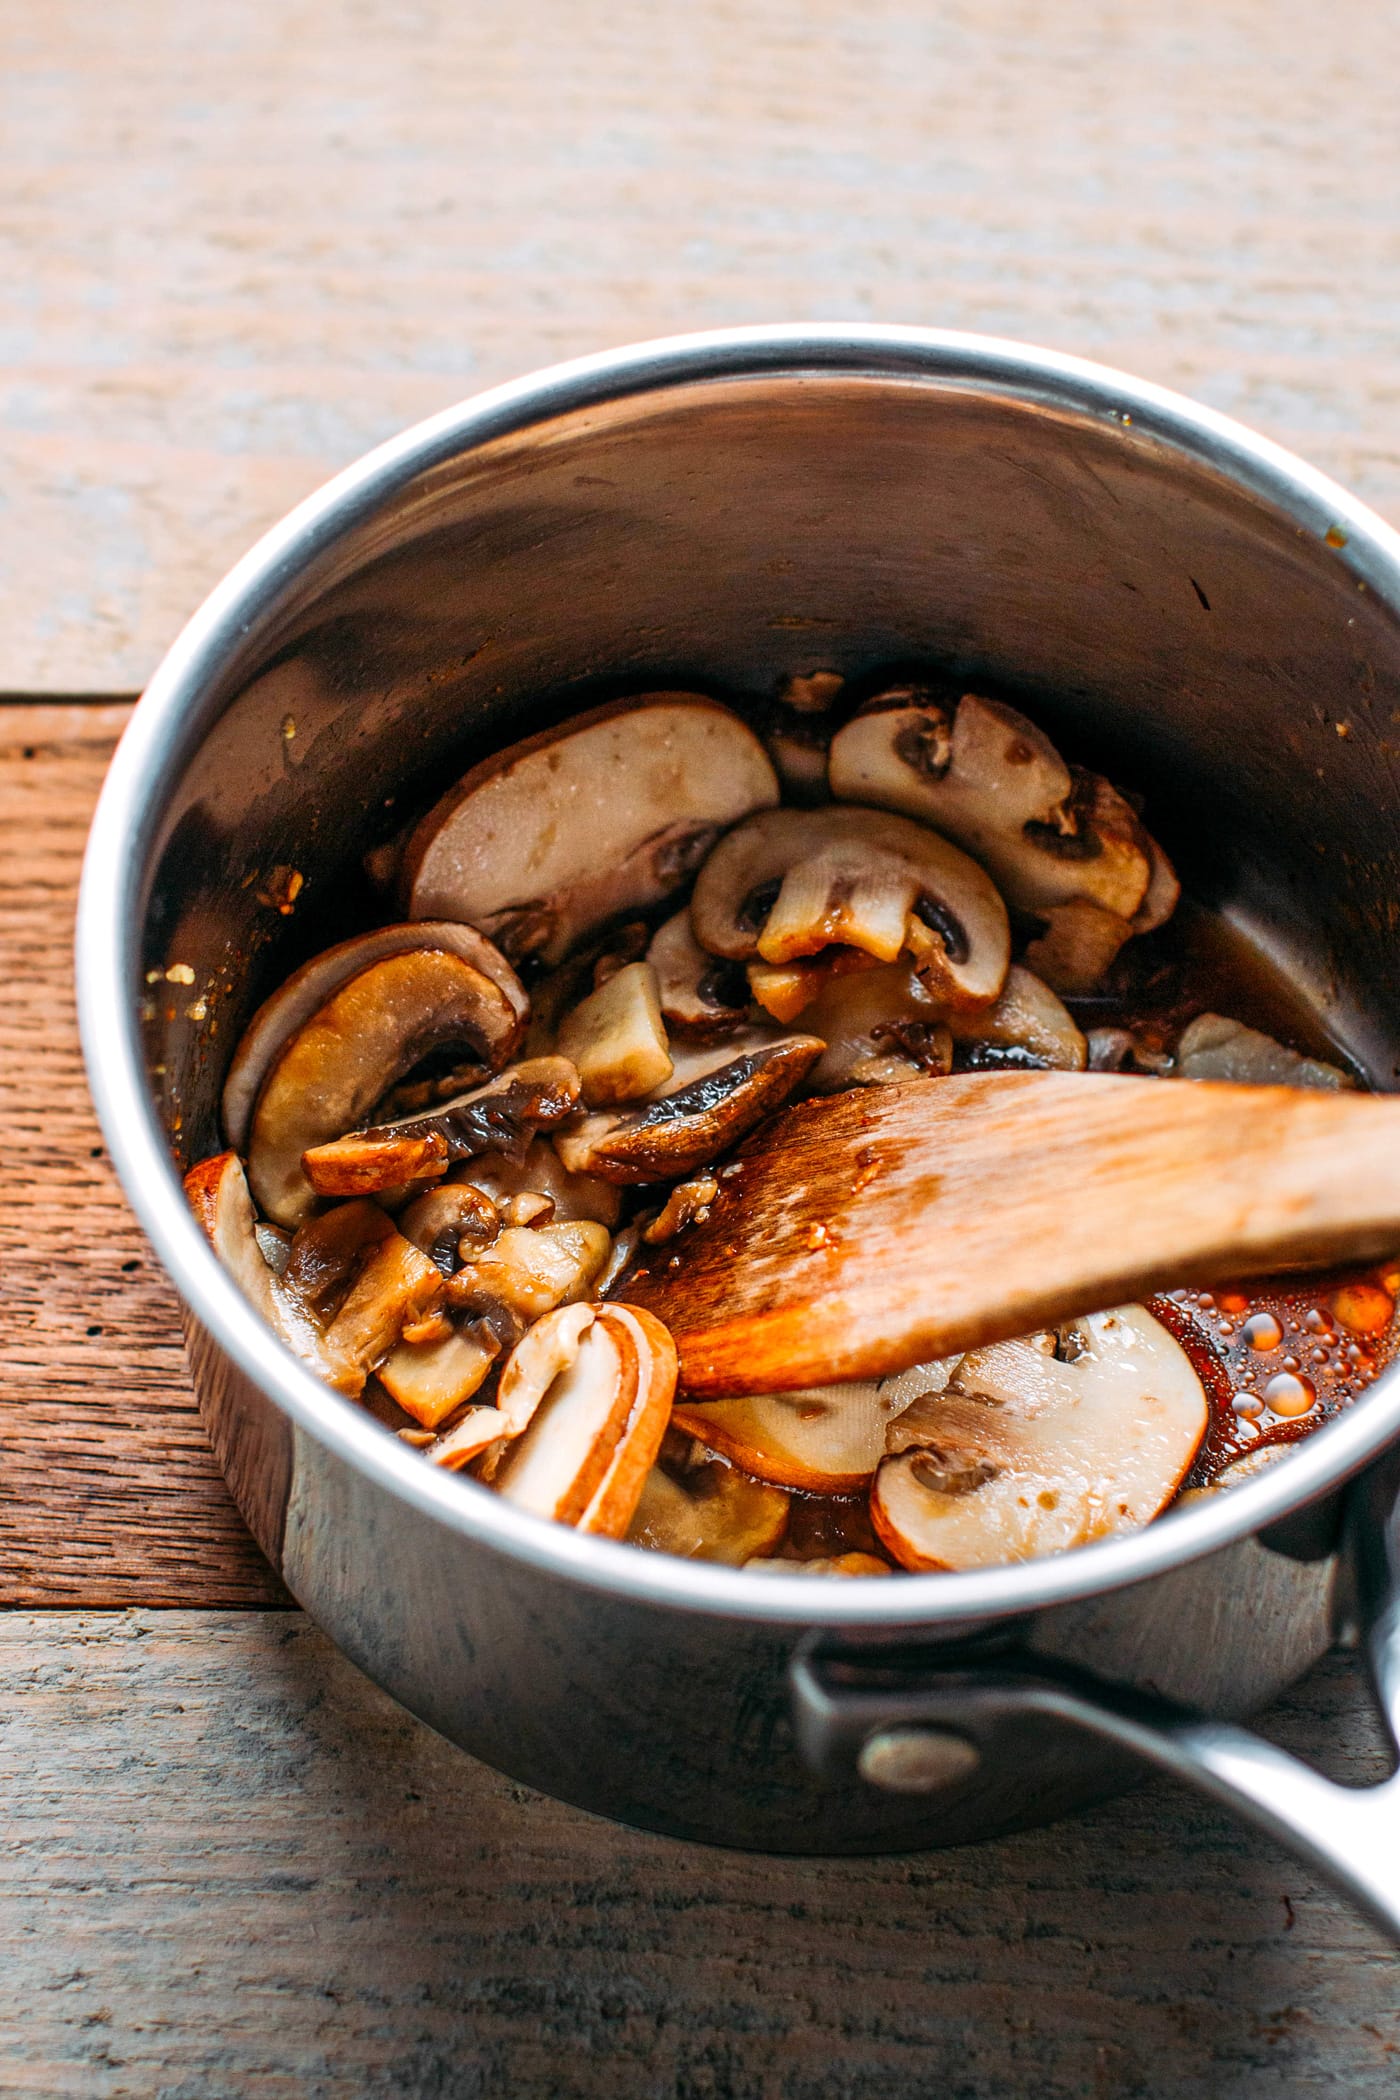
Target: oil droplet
[1262,1331]
[1363,1307]
[1231,1301]
[1249,1405]
[1288,1394]
[1317,1322]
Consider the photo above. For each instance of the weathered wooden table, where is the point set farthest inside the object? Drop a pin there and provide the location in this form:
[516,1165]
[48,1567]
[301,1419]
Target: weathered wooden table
[241,244]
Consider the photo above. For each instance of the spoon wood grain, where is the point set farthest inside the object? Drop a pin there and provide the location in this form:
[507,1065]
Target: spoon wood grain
[867,1231]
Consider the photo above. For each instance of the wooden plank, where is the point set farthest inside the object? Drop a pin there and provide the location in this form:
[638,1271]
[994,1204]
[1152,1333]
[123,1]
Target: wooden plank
[232,1868]
[108,1491]
[241,244]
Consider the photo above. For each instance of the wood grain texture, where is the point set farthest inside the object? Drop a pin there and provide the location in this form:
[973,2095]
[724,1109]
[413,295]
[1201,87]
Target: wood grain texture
[871,1230]
[240,244]
[108,1491]
[233,1869]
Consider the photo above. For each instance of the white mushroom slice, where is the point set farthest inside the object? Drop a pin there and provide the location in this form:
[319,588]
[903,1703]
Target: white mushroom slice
[824,1564]
[786,990]
[788,883]
[431,1379]
[438,1221]
[616,1040]
[528,1270]
[616,1497]
[827,1440]
[504,1115]
[478,1430]
[1078,942]
[218,1195]
[1025,1453]
[608,814]
[1215,1047]
[987,777]
[333,1069]
[797,745]
[709,1512]
[592,1436]
[539,1170]
[1026,1017]
[540,1357]
[699,995]
[684,1129]
[308,989]
[877,1024]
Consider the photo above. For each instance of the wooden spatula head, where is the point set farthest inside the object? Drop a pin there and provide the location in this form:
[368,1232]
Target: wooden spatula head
[872,1230]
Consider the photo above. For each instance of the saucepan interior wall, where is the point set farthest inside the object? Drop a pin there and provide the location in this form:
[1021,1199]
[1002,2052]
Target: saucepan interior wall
[1164,623]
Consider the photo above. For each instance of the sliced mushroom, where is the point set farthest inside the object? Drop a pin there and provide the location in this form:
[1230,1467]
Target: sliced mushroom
[824,1564]
[699,996]
[326,1254]
[430,1380]
[797,743]
[1028,1018]
[218,1195]
[616,1040]
[528,1270]
[539,1170]
[1077,943]
[1026,1453]
[788,883]
[608,814]
[685,1129]
[1239,1470]
[502,1116]
[438,1221]
[396,1283]
[576,1461]
[687,1204]
[1050,834]
[826,1440]
[1215,1047]
[308,989]
[334,1068]
[708,1511]
[786,990]
[878,1025]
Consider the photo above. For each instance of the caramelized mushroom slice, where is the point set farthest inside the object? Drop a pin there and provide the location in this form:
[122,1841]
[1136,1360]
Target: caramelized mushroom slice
[788,883]
[1028,1018]
[1050,834]
[584,1455]
[826,1440]
[616,1040]
[331,1072]
[698,995]
[1215,1047]
[682,1130]
[218,1195]
[308,989]
[430,1380]
[396,1284]
[708,1511]
[502,1116]
[1026,1453]
[878,1025]
[438,1221]
[528,1270]
[608,814]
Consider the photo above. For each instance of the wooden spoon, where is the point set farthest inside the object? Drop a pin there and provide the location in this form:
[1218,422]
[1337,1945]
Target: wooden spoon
[867,1231]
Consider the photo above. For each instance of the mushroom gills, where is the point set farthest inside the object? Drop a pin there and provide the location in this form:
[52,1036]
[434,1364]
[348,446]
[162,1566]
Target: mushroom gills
[609,814]
[699,995]
[1027,1452]
[341,1061]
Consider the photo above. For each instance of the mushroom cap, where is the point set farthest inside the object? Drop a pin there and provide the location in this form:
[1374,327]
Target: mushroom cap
[788,883]
[1024,1453]
[607,814]
[709,1511]
[503,1116]
[337,1064]
[826,1440]
[685,1128]
[699,995]
[1027,1016]
[306,991]
[989,778]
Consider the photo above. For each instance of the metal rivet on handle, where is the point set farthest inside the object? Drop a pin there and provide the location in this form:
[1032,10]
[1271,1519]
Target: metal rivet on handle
[917,1760]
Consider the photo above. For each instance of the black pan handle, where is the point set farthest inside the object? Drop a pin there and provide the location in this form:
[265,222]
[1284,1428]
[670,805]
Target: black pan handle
[922,1728]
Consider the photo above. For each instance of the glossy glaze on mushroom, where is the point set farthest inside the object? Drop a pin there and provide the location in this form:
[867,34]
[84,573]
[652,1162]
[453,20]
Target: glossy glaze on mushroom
[628,942]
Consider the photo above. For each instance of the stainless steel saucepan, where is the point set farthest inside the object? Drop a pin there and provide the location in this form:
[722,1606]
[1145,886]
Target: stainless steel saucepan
[1200,613]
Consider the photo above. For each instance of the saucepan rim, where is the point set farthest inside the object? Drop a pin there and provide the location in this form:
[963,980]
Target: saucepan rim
[166,726]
